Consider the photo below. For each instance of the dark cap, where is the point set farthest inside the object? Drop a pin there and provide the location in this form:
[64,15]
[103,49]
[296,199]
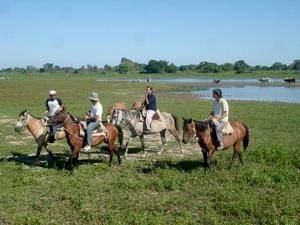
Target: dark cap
[218,92]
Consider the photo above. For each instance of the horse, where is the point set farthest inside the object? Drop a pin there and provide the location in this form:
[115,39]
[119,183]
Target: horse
[136,105]
[289,80]
[117,105]
[207,139]
[76,142]
[136,126]
[37,127]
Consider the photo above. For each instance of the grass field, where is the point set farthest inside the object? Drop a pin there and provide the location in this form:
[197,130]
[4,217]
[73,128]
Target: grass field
[170,189]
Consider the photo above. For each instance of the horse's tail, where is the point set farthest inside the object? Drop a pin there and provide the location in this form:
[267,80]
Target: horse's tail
[246,137]
[120,135]
[175,122]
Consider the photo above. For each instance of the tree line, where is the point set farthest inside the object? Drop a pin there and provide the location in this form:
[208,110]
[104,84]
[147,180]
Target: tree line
[158,66]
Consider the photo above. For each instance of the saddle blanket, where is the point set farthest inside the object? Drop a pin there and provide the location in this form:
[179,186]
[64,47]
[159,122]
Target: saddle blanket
[227,130]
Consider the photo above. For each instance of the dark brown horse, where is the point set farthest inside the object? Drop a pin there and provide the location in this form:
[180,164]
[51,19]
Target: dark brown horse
[76,142]
[207,139]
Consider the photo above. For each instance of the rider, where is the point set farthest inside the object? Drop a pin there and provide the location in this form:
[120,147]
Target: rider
[53,105]
[94,117]
[219,114]
[150,103]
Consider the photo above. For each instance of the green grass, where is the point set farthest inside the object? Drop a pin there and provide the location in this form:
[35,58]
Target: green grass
[170,190]
[178,74]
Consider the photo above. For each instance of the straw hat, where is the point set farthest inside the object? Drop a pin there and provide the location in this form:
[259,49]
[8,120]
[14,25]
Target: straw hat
[52,92]
[94,96]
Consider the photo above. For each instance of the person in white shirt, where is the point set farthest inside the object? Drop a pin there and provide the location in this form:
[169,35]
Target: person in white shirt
[53,105]
[219,114]
[94,119]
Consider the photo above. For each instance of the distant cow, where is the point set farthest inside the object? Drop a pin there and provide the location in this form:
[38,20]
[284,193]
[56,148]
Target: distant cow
[216,81]
[289,80]
[149,80]
[3,78]
[264,80]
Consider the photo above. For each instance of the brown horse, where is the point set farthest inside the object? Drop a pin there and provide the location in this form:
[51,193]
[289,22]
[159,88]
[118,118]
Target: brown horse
[207,139]
[136,105]
[112,108]
[76,142]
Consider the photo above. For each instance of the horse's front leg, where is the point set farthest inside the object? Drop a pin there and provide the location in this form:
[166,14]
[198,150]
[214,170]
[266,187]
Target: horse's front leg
[142,139]
[126,145]
[204,153]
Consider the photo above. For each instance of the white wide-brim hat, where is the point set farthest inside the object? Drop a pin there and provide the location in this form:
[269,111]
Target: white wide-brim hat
[94,96]
[52,92]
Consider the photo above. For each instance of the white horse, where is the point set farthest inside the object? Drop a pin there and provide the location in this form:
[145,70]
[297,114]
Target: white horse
[136,126]
[37,127]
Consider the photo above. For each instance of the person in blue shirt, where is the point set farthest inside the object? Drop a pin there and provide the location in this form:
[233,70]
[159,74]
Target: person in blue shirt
[150,103]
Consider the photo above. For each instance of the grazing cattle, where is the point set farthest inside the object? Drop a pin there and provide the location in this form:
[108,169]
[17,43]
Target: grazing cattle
[264,80]
[3,78]
[289,80]
[116,106]
[216,81]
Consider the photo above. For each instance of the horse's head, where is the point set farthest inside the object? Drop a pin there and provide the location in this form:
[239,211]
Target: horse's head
[60,117]
[190,127]
[117,116]
[188,130]
[22,121]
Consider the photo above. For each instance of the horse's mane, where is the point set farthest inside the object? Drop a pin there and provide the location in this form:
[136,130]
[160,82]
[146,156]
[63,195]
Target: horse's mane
[204,125]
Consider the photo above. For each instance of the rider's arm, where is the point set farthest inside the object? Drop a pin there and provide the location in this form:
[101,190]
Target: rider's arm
[222,116]
[46,108]
[60,104]
[146,99]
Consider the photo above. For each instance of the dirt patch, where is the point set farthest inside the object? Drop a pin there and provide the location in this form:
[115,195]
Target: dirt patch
[6,120]
[19,142]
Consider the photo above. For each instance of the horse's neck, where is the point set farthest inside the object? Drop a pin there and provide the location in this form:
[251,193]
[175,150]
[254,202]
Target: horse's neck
[35,126]
[72,126]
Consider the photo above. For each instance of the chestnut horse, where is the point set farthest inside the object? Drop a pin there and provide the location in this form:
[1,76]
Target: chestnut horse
[207,139]
[136,105]
[76,142]
[112,108]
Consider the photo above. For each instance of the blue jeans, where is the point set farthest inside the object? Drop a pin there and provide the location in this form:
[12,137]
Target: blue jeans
[89,129]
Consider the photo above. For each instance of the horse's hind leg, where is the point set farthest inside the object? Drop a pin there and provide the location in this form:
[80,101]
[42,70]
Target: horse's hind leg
[116,150]
[237,151]
[163,141]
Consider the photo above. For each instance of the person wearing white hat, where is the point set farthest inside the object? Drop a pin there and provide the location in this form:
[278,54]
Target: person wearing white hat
[94,119]
[53,105]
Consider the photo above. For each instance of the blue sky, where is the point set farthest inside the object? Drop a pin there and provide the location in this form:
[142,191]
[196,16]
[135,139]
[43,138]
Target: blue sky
[75,33]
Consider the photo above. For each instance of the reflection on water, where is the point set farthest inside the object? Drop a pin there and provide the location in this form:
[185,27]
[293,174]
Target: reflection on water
[256,93]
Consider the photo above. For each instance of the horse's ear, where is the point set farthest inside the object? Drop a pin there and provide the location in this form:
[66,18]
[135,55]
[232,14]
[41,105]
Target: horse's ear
[183,118]
[64,108]
[190,120]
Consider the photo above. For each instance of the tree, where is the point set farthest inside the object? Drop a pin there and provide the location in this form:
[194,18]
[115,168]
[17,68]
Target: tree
[171,68]
[241,67]
[208,67]
[48,66]
[227,67]
[155,66]
[295,65]
[278,66]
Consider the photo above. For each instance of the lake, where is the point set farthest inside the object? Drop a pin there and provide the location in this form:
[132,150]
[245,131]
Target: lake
[256,93]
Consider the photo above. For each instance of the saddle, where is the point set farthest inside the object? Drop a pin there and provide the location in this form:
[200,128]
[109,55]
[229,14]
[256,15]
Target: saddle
[227,130]
[95,133]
